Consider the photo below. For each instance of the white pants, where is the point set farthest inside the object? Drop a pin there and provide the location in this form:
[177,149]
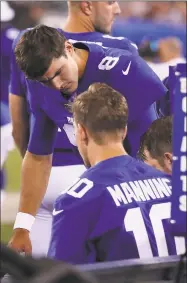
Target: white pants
[60,179]
[7,142]
[7,145]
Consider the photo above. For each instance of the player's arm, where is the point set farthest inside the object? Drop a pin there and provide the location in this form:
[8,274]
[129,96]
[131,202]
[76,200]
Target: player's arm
[70,232]
[75,215]
[35,174]
[138,83]
[20,122]
[18,107]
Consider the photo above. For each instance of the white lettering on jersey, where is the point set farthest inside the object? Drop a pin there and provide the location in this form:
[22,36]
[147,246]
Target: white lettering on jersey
[140,191]
[134,223]
[107,63]
[85,186]
[117,195]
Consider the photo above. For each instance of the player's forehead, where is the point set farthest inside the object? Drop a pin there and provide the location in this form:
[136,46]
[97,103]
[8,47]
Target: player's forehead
[57,64]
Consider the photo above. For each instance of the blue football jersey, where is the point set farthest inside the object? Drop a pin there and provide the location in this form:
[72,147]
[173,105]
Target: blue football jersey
[118,209]
[63,153]
[179,178]
[8,34]
[102,40]
[51,125]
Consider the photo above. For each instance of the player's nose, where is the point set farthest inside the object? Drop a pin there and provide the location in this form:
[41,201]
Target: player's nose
[117,9]
[56,83]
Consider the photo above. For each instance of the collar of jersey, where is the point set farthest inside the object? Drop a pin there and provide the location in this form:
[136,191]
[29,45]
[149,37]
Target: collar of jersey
[115,161]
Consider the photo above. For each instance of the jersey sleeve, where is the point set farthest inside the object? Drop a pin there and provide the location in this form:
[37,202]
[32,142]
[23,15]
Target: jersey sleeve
[43,133]
[138,83]
[70,234]
[119,42]
[16,85]
[75,216]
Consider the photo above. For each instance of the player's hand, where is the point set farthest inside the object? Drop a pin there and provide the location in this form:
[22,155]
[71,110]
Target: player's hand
[20,241]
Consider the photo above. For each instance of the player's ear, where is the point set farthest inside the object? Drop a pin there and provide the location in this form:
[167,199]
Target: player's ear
[86,7]
[82,133]
[125,133]
[168,162]
[69,48]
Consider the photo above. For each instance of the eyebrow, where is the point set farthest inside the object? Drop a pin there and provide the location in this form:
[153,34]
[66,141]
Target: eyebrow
[50,79]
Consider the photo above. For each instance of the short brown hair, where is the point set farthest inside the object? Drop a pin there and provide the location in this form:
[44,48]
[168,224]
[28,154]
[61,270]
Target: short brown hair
[36,49]
[102,110]
[158,139]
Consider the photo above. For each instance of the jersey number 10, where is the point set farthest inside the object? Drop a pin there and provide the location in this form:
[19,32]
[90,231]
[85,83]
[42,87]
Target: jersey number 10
[134,222]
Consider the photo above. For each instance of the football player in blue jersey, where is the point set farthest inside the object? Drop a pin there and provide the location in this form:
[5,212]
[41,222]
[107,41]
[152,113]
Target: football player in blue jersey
[64,162]
[7,35]
[69,70]
[120,207]
[156,145]
[91,21]
[163,146]
[84,15]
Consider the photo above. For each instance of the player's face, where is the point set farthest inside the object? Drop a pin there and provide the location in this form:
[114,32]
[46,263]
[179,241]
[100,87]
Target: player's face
[82,143]
[103,15]
[62,73]
[164,165]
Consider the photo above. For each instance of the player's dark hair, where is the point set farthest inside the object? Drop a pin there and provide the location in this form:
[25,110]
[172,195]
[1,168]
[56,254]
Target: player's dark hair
[158,139]
[37,48]
[101,109]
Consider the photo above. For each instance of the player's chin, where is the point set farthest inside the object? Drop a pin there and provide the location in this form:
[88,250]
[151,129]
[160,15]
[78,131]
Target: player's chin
[73,87]
[70,87]
[69,91]
[108,29]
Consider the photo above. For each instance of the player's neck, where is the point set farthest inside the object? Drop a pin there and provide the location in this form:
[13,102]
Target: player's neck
[78,24]
[81,57]
[104,152]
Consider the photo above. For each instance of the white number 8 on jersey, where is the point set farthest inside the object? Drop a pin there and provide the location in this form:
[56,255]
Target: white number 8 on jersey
[108,63]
